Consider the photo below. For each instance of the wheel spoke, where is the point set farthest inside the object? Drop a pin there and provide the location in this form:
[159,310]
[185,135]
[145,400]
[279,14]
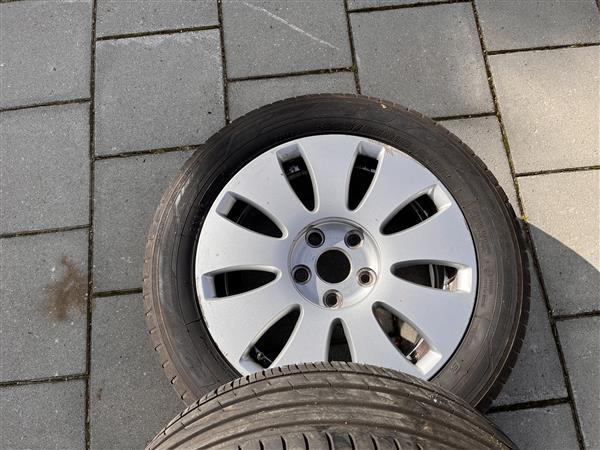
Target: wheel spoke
[398,180]
[330,159]
[247,315]
[227,245]
[310,340]
[369,344]
[440,316]
[442,238]
[265,185]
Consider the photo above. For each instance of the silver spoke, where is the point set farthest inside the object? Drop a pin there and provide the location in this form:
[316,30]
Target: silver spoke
[370,345]
[310,340]
[227,245]
[248,315]
[440,316]
[329,159]
[265,185]
[398,180]
[442,238]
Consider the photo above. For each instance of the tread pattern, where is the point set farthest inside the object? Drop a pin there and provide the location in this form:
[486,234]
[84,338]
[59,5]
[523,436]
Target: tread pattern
[160,339]
[329,406]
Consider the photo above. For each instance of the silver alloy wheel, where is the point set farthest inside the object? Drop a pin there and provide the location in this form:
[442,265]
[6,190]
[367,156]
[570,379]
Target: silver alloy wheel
[357,271]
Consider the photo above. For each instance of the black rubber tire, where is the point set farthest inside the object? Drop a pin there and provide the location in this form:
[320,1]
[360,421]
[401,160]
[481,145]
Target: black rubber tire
[330,406]
[491,343]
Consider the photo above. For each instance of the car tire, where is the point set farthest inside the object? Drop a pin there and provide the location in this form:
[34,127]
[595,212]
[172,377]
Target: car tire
[188,353]
[327,406]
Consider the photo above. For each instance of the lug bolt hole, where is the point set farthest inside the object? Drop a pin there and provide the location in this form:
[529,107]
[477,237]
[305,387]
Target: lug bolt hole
[353,239]
[331,299]
[315,237]
[301,274]
[366,277]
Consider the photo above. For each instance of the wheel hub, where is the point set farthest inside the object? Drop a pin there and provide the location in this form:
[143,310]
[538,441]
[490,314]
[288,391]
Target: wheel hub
[334,263]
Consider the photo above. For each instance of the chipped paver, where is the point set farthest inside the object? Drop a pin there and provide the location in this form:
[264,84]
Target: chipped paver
[158,77]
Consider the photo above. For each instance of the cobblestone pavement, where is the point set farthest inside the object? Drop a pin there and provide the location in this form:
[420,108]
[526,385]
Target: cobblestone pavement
[102,100]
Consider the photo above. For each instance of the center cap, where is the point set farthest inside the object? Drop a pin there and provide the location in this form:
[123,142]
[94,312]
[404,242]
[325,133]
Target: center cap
[334,263]
[333,266]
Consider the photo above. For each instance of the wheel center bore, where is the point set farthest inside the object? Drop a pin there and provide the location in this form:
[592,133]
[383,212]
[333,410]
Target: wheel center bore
[334,263]
[333,266]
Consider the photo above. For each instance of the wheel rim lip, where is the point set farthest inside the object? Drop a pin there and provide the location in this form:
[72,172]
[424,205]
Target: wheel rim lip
[287,231]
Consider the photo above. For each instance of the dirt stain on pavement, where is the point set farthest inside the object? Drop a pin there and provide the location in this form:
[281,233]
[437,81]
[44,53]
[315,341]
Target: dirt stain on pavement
[68,292]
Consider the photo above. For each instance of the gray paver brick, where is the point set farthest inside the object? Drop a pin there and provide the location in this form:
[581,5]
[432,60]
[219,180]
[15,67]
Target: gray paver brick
[580,340]
[43,304]
[517,24]
[537,374]
[158,91]
[43,416]
[549,428]
[131,399]
[44,51]
[268,37]
[244,96]
[44,168]
[127,194]
[123,17]
[426,58]
[483,135]
[358,4]
[564,217]
[549,104]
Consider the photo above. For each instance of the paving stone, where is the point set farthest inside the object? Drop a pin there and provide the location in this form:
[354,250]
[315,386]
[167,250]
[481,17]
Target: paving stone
[426,58]
[537,374]
[158,91]
[130,396]
[43,305]
[580,340]
[45,168]
[537,23]
[45,415]
[274,36]
[125,17]
[549,104]
[483,135]
[564,217]
[549,428]
[244,96]
[44,51]
[127,193]
[359,4]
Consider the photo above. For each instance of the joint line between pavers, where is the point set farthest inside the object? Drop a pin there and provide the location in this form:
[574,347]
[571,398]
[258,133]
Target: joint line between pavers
[406,6]
[464,116]
[117,292]
[155,33]
[90,272]
[223,63]
[42,231]
[46,104]
[153,151]
[54,379]
[291,74]
[543,48]
[352,50]
[551,171]
[529,405]
[529,238]
[581,315]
